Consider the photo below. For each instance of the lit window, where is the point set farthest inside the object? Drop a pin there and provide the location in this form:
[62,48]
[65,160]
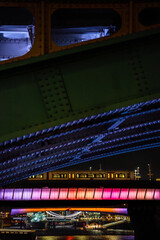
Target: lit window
[108,175]
[16,32]
[64,175]
[90,175]
[121,175]
[70,26]
[39,176]
[56,175]
[98,175]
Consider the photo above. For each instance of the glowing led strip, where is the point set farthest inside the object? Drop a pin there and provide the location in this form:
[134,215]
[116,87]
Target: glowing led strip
[79,194]
[107,210]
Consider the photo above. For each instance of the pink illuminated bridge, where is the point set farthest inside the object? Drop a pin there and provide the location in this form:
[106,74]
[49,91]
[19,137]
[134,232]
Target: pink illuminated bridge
[31,194]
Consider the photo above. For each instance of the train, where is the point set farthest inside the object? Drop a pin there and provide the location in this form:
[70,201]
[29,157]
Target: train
[84,175]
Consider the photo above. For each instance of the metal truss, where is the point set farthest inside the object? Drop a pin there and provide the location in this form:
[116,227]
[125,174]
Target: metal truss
[127,129]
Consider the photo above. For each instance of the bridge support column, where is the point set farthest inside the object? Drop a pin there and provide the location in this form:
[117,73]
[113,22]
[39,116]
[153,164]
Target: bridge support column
[1,223]
[145,218]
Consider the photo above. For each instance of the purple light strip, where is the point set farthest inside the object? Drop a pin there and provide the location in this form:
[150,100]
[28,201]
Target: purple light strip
[79,194]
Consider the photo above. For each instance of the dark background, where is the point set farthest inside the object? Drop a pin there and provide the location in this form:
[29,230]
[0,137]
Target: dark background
[127,161]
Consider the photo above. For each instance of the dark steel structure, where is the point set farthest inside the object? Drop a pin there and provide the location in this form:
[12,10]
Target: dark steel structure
[97,98]
[83,140]
[79,81]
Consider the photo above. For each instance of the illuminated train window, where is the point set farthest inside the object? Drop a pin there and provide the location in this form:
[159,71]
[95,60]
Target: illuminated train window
[37,176]
[16,32]
[70,26]
[91,175]
[149,16]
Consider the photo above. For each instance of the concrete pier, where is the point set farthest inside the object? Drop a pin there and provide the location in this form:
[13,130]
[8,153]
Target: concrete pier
[145,218]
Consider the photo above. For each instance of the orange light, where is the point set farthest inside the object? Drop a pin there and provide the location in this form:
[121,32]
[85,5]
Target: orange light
[86,209]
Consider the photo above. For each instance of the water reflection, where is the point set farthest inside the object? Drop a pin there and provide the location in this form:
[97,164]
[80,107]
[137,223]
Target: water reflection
[92,237]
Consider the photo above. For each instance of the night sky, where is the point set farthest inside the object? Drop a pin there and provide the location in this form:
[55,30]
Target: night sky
[127,161]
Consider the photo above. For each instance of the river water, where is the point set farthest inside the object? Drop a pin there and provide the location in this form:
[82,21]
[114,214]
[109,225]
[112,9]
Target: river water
[91,237]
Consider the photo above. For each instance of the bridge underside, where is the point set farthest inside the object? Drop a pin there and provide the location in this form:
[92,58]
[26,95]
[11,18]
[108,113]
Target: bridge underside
[123,130]
[79,105]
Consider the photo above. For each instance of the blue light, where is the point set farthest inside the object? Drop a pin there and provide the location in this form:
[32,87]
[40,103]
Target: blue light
[67,36]
[105,114]
[16,41]
[116,124]
[82,150]
[15,35]
[57,156]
